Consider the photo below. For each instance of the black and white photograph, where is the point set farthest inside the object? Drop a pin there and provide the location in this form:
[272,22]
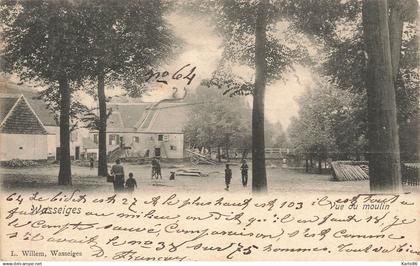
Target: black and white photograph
[209,130]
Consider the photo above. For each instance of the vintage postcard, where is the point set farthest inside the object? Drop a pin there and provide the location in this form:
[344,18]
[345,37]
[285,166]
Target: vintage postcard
[223,130]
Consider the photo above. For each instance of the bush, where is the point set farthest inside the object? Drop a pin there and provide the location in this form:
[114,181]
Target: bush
[17,163]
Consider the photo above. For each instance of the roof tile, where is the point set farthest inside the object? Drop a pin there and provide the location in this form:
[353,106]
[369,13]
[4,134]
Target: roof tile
[22,120]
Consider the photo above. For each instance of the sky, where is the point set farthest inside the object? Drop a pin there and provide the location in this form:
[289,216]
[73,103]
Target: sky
[202,48]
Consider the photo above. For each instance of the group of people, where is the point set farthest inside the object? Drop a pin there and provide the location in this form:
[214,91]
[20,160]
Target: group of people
[244,174]
[117,171]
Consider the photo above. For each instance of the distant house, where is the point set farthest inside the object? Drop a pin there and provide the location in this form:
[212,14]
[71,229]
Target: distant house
[31,124]
[143,130]
[22,133]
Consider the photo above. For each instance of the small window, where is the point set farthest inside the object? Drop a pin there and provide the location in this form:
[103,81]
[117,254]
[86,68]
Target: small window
[114,139]
[160,137]
[173,148]
[95,138]
[136,139]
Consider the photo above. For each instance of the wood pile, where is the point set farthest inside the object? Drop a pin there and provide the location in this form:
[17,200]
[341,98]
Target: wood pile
[349,171]
[189,172]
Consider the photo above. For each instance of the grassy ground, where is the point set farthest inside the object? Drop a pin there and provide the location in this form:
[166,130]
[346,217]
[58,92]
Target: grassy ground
[279,180]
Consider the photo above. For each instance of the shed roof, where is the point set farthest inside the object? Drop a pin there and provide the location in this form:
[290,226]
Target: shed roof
[169,118]
[161,117]
[21,119]
[6,104]
[32,96]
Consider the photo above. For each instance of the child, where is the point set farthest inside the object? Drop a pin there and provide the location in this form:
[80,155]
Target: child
[172,176]
[130,183]
[228,176]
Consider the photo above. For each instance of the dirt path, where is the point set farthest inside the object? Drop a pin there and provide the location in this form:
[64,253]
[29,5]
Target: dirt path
[279,180]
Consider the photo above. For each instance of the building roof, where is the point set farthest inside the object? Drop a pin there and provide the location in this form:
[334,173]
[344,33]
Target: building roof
[161,117]
[169,118]
[20,118]
[31,95]
[126,116]
[6,103]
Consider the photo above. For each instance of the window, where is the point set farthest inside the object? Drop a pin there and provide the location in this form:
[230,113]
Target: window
[160,137]
[136,139]
[95,138]
[114,140]
[173,148]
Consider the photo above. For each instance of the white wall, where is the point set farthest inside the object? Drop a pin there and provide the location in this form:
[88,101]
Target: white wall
[75,139]
[23,146]
[149,141]
[176,140]
[52,145]
[53,140]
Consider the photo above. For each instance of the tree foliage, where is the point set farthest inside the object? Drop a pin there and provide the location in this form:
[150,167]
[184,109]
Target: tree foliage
[42,43]
[126,39]
[217,121]
[326,114]
[42,40]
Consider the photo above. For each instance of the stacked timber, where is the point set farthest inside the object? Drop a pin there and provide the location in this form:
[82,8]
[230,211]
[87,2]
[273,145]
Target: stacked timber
[190,172]
[348,171]
[410,173]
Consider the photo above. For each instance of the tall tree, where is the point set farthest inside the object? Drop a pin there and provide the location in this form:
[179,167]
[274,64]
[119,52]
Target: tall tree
[384,157]
[126,39]
[42,44]
[253,40]
[259,176]
[346,63]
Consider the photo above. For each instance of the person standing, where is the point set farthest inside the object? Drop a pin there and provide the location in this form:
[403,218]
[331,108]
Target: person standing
[154,168]
[158,170]
[228,176]
[117,170]
[244,173]
[130,183]
[91,163]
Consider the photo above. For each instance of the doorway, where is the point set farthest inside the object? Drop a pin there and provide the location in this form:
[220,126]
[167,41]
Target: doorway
[77,153]
[157,152]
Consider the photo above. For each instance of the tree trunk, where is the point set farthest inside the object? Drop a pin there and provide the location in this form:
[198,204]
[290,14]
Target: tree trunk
[320,165]
[311,160]
[102,161]
[306,164]
[259,177]
[384,157]
[395,26]
[219,156]
[64,175]
[227,149]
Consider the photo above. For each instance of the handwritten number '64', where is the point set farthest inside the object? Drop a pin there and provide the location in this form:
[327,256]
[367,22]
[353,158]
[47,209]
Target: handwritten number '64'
[162,77]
